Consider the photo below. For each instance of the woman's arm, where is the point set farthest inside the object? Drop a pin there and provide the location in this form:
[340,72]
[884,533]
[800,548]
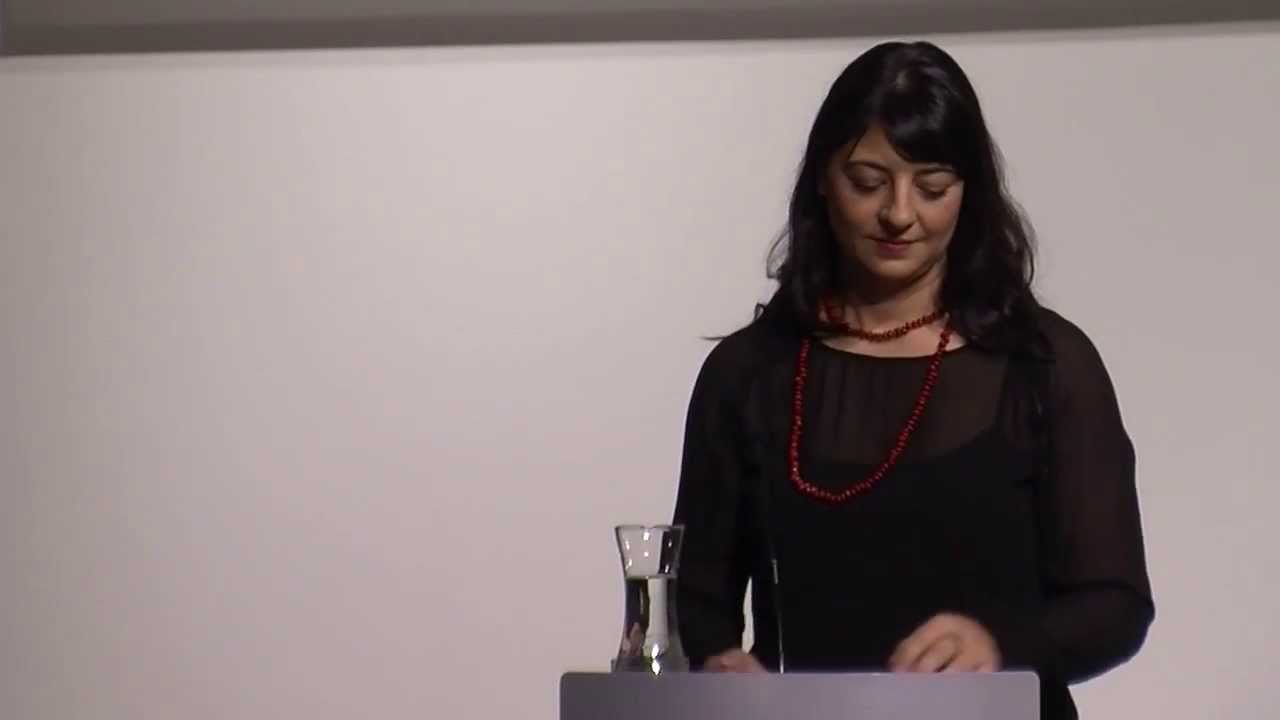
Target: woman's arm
[714,561]
[1093,564]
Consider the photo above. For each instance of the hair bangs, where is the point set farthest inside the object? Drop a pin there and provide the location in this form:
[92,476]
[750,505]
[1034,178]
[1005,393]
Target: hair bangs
[922,126]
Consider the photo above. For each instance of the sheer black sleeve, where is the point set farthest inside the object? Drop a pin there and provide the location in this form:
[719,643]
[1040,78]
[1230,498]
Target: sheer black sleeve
[710,503]
[1092,559]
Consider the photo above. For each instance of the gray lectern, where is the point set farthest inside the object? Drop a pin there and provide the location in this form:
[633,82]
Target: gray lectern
[800,696]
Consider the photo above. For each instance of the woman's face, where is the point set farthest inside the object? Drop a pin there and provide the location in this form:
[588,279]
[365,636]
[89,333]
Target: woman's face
[893,219]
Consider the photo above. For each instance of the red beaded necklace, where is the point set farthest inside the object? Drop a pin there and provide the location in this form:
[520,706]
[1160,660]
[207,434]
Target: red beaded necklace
[835,316]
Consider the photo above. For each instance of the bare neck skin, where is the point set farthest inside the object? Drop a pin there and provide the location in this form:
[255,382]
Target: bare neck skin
[877,307]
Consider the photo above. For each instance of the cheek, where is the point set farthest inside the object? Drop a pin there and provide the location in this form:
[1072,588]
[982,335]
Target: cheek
[939,222]
[854,215]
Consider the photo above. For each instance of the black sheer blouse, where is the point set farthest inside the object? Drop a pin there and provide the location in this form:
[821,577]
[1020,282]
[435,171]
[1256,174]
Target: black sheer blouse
[1014,504]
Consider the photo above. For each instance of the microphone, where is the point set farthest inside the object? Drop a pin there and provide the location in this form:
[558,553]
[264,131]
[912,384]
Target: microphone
[775,585]
[777,608]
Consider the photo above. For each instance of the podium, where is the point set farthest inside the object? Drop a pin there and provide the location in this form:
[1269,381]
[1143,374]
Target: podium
[800,696]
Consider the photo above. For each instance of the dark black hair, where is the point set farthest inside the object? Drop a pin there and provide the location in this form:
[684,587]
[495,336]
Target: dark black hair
[930,113]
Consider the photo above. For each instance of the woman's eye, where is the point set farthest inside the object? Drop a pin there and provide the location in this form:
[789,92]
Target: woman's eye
[933,193]
[866,186]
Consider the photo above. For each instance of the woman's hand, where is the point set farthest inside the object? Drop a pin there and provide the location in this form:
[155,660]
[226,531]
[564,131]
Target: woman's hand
[735,660]
[947,643]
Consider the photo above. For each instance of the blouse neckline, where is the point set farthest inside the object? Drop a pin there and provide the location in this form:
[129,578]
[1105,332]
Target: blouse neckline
[889,358]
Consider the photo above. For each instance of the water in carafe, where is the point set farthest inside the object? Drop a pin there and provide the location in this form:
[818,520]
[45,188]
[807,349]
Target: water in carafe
[650,638]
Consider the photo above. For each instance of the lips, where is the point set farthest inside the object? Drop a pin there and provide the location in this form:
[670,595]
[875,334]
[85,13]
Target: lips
[893,249]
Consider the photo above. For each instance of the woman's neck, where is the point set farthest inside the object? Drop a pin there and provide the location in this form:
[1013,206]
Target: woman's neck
[878,307]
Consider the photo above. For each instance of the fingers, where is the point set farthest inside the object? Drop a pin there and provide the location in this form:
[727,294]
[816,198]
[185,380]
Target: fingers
[910,651]
[937,656]
[749,664]
[947,643]
[715,663]
[932,654]
[744,662]
[969,661]
[736,661]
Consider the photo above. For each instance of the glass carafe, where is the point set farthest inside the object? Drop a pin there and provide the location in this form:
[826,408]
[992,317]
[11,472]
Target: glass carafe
[650,560]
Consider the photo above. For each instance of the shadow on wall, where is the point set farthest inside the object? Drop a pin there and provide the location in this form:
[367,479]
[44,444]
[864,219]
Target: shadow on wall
[29,27]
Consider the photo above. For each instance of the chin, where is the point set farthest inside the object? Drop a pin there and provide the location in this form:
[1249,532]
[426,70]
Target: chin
[897,265]
[894,270]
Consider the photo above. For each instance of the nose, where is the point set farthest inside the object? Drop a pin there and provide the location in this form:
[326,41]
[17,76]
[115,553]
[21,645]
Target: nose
[900,212]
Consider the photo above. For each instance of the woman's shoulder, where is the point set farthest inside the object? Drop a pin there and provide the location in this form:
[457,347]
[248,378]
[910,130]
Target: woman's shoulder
[1077,363]
[1067,340]
[739,355]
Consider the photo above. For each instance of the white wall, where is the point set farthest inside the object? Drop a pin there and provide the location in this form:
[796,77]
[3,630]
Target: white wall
[324,375]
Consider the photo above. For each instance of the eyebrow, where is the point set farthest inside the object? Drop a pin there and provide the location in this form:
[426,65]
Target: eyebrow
[926,170]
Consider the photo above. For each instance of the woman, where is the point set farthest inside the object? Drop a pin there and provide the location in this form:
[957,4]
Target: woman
[920,467]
